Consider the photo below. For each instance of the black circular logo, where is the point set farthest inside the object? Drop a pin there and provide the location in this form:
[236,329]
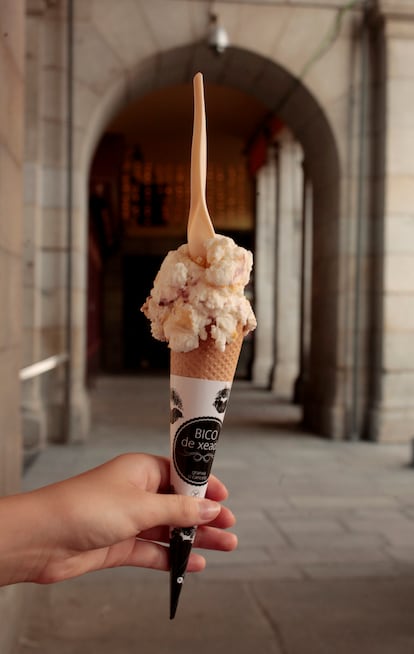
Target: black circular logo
[194,447]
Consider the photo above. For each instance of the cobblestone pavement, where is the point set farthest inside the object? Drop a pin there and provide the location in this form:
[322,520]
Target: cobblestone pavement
[325,562]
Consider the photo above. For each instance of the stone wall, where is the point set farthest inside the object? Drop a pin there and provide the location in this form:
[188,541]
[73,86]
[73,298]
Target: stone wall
[394,406]
[11,148]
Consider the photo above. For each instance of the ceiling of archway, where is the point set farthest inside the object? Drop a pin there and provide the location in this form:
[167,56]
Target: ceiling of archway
[163,120]
[161,116]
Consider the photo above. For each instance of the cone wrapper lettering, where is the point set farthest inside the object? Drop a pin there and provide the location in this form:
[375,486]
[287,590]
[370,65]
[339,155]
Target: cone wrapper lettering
[200,385]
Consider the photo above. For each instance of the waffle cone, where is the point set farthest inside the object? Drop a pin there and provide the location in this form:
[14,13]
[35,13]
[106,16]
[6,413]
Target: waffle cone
[207,362]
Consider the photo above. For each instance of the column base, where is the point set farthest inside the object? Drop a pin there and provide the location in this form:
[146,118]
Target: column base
[262,373]
[299,387]
[328,421]
[283,381]
[80,422]
[33,432]
[57,431]
[388,425]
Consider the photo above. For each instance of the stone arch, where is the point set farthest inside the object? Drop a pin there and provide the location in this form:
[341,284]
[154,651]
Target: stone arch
[283,94]
[273,85]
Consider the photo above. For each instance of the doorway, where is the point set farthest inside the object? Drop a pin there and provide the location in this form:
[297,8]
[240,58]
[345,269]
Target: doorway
[141,351]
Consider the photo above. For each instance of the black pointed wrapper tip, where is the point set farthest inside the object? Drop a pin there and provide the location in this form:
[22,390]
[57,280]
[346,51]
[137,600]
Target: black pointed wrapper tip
[180,550]
[175,590]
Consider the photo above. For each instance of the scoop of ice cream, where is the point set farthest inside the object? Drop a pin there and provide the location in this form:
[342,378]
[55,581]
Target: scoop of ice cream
[190,301]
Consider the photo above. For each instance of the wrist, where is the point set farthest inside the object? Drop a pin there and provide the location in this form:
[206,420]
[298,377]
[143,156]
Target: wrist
[24,541]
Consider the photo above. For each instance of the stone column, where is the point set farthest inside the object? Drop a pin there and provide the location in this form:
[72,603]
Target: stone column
[392,416]
[113,356]
[33,415]
[264,272]
[305,287]
[11,156]
[287,272]
[47,215]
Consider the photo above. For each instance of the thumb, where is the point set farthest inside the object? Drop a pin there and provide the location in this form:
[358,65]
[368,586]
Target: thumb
[176,511]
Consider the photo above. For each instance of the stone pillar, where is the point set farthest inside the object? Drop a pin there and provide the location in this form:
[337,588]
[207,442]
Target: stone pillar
[287,272]
[393,410]
[113,355]
[264,272]
[33,415]
[46,281]
[11,148]
[305,288]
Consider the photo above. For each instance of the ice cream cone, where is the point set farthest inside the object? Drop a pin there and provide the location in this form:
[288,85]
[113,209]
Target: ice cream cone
[210,267]
[201,381]
[207,362]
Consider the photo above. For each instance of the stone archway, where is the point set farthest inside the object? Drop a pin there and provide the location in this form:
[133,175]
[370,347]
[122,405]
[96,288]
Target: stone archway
[283,95]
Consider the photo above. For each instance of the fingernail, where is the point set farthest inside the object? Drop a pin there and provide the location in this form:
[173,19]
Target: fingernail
[208,509]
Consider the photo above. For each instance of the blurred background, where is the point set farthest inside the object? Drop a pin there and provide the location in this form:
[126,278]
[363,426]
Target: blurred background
[310,139]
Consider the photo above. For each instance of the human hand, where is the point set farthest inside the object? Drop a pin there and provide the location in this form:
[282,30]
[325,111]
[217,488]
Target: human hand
[114,515]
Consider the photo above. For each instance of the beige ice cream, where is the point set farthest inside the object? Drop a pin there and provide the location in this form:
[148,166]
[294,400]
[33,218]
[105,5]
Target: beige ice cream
[190,301]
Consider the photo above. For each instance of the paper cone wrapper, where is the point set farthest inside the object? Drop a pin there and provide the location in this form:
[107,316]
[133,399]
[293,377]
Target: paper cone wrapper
[200,385]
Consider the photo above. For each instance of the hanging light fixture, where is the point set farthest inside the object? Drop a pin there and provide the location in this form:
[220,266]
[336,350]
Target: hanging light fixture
[218,39]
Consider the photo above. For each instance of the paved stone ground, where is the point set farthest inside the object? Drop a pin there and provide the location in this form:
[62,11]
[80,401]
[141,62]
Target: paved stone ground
[325,562]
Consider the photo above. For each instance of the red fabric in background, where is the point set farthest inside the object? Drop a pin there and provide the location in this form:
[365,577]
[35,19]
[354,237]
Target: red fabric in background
[257,153]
